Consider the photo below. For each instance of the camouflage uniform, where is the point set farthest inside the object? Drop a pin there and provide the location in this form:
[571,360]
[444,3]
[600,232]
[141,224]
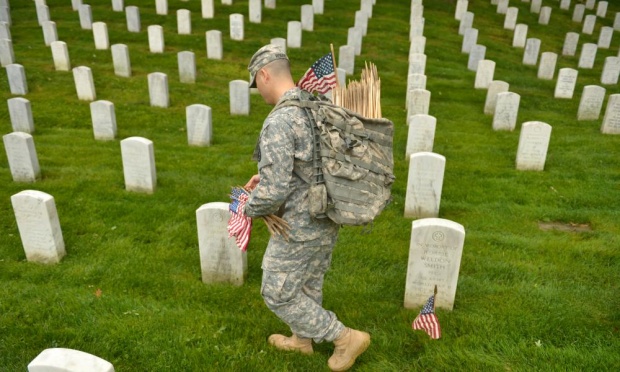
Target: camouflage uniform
[293,271]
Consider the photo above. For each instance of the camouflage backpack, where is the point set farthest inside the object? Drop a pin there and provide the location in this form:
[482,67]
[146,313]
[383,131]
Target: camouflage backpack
[352,161]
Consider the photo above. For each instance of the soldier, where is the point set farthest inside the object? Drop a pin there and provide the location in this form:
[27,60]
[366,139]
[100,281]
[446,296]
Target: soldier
[293,270]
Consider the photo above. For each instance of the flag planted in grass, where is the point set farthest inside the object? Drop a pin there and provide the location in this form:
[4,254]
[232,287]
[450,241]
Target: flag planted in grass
[320,77]
[427,320]
[239,225]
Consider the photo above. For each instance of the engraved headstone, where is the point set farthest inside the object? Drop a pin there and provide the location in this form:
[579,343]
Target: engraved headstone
[236,26]
[346,58]
[467,21]
[533,146]
[461,8]
[255,14]
[421,135]
[22,157]
[156,38]
[611,70]
[280,42]
[207,9]
[20,112]
[184,22]
[307,17]
[86,17]
[417,45]
[361,21]
[354,38]
[578,13]
[7,56]
[132,14]
[546,68]
[589,24]
[43,14]
[103,117]
[120,60]
[100,34]
[84,83]
[5,31]
[570,44]
[532,48]
[611,120]
[417,64]
[50,33]
[158,89]
[161,7]
[601,9]
[68,360]
[510,21]
[424,185]
[17,79]
[199,125]
[484,74]
[419,103]
[214,44]
[535,6]
[417,12]
[545,15]
[496,87]
[502,6]
[239,92]
[118,5]
[469,40]
[416,28]
[435,253]
[414,81]
[520,36]
[476,55]
[565,85]
[293,34]
[138,164]
[506,111]
[591,102]
[60,55]
[187,67]
[588,55]
[604,38]
[221,261]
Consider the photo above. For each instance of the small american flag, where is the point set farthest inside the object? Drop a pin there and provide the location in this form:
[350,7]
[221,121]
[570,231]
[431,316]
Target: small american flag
[321,77]
[427,320]
[239,224]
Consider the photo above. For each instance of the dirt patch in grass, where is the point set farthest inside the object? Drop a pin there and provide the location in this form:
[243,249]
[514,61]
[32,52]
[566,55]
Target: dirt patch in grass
[563,226]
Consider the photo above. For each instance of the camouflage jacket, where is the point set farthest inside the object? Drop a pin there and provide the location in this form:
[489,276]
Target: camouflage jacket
[285,143]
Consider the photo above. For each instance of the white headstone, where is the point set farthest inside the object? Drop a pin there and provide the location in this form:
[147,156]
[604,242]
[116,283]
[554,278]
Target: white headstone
[476,55]
[467,21]
[611,120]
[7,56]
[570,44]
[132,14]
[484,74]
[307,17]
[510,21]
[601,9]
[293,34]
[104,120]
[236,26]
[207,9]
[221,261]
[520,36]
[255,14]
[50,34]
[461,8]
[43,14]
[506,111]
[417,45]
[158,89]
[20,112]
[60,55]
[469,40]
[591,102]
[86,17]
[17,79]
[535,7]
[118,5]
[578,13]
[565,4]
[417,12]
[502,6]
[421,135]
[39,228]
[239,91]
[187,67]
[495,87]
[68,360]
[545,15]
[75,4]
[417,64]
[214,44]
[416,28]
[532,48]
[604,39]
[611,70]
[424,185]
[354,38]
[590,4]
[435,254]
[617,22]
[366,6]
[184,22]
[161,7]
[5,15]
[565,85]
[414,81]
[346,58]
[22,157]
[533,145]
[318,6]
[588,55]
[588,24]
[280,42]
[361,21]
[270,4]
[227,2]
[546,68]
[199,125]
[139,164]
[120,59]
[100,34]
[5,31]
[419,103]
[156,38]
[84,83]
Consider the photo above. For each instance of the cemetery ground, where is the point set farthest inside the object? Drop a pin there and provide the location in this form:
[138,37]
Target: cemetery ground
[129,289]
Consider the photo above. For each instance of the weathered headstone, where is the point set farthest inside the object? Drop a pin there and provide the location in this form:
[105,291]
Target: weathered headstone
[604,38]
[161,7]
[611,70]
[354,38]
[84,83]
[346,58]
[424,185]
[156,39]
[546,68]
[221,261]
[361,21]
[7,56]
[565,85]
[510,20]
[570,44]
[535,6]
[214,44]
[589,24]
[293,34]
[100,34]
[17,79]
[199,125]
[187,67]
[132,14]
[68,360]
[601,9]
[506,111]
[591,102]
[20,113]
[495,87]
[118,5]
[120,60]
[239,91]
[207,9]
[611,120]
[307,17]
[532,48]
[578,13]
[86,17]
[417,45]
[417,64]
[255,11]
[533,146]
[545,15]
[419,103]
[50,33]
[421,135]
[139,164]
[461,8]
[469,40]
[158,89]
[484,74]
[476,55]
[435,254]
[502,6]
[103,117]
[184,22]
[467,21]
[318,6]
[588,55]
[22,156]
[236,26]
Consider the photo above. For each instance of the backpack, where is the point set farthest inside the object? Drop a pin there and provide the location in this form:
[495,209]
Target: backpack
[353,162]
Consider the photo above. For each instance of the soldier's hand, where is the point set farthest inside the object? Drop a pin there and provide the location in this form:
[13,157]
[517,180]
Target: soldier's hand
[251,185]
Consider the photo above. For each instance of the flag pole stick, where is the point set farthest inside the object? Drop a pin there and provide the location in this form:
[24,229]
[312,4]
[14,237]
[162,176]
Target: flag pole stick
[331,47]
[435,301]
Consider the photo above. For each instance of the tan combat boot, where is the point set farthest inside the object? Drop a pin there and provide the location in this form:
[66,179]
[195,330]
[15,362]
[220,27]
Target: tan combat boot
[293,343]
[349,345]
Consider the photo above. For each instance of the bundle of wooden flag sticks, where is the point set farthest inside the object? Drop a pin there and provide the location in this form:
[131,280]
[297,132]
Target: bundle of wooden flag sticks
[363,97]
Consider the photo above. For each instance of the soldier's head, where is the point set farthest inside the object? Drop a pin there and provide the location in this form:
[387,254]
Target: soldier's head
[270,72]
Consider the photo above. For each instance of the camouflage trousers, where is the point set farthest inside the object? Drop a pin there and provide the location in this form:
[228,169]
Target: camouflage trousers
[292,287]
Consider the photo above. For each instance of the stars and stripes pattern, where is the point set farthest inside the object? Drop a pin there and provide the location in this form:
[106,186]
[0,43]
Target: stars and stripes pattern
[427,320]
[320,77]
[239,225]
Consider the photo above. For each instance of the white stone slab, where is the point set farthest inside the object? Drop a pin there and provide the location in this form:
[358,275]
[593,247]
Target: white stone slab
[293,34]
[617,22]
[346,58]
[476,55]
[416,28]
[270,4]
[100,34]
[75,4]
[533,146]
[184,22]
[417,64]
[417,45]
[50,33]
[532,49]
[118,5]
[307,17]
[161,7]
[22,156]
[199,125]
[502,6]
[424,185]
[20,112]
[570,44]
[414,81]
[590,4]
[354,38]
[578,13]
[103,117]
[239,92]
[591,102]
[604,38]
[68,360]
[601,9]
[60,55]
[611,70]
[506,111]
[84,83]
[510,20]
[139,164]
[565,4]
[5,15]
[495,87]
[467,21]
[221,261]
[255,11]
[565,85]
[421,135]
[461,9]
[484,74]
[280,42]
[214,44]
[158,89]
[7,56]
[545,15]
[469,40]
[207,9]
[519,37]
[156,39]
[535,6]
[187,67]
[419,103]
[435,253]
[86,17]
[227,2]
[417,12]
[132,14]
[16,74]
[120,60]
[589,24]
[611,120]
[236,26]
[588,55]
[43,14]
[361,21]
[366,6]
[5,31]
[546,68]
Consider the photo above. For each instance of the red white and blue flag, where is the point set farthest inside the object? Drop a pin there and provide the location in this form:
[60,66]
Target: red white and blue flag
[239,225]
[321,77]
[427,320]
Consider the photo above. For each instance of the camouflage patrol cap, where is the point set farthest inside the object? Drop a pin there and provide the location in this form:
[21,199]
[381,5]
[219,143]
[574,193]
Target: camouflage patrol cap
[261,58]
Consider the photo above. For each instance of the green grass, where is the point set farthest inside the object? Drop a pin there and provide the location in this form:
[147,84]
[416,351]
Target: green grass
[527,299]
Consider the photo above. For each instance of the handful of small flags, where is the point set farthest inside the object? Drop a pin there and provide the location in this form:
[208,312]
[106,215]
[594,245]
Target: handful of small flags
[240,225]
